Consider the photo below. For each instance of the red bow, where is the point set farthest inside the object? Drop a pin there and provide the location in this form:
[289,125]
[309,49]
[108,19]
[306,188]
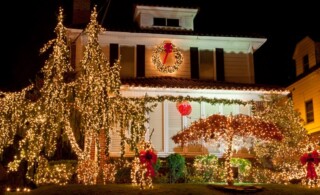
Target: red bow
[149,158]
[168,49]
[311,159]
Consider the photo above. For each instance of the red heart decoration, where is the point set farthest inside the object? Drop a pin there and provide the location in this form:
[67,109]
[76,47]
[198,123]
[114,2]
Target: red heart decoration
[184,108]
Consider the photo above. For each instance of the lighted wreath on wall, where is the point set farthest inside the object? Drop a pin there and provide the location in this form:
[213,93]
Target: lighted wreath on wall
[169,49]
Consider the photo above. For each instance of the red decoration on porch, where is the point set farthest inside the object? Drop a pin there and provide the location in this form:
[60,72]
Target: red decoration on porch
[184,108]
[311,159]
[149,158]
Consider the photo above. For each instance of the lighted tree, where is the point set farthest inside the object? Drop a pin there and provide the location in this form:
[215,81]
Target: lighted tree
[219,127]
[283,157]
[11,115]
[46,112]
[103,111]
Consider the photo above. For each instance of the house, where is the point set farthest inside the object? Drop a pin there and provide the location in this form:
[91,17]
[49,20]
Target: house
[162,54]
[305,89]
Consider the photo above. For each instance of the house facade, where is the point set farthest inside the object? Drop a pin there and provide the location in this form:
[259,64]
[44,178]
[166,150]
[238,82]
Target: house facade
[305,89]
[163,55]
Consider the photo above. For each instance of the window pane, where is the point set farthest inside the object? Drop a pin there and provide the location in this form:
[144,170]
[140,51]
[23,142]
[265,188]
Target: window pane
[159,21]
[309,111]
[305,63]
[173,22]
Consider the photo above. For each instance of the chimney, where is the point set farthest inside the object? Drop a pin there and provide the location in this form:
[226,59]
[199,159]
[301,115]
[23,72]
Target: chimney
[81,12]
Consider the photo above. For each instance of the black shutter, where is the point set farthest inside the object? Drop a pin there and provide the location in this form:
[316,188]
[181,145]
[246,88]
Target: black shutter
[194,62]
[73,55]
[220,64]
[114,53]
[141,61]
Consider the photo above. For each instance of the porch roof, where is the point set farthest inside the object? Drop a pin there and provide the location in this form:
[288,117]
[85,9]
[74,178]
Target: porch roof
[184,83]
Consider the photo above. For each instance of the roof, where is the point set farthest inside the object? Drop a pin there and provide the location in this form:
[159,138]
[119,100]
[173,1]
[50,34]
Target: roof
[305,74]
[119,16]
[173,82]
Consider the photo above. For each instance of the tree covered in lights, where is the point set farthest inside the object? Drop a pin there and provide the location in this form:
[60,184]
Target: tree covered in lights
[229,130]
[44,111]
[283,157]
[103,111]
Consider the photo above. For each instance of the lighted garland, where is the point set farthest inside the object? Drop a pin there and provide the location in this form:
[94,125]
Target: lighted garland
[211,101]
[160,65]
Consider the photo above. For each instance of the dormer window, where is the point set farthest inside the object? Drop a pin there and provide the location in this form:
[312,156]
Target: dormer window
[166,22]
[153,17]
[305,63]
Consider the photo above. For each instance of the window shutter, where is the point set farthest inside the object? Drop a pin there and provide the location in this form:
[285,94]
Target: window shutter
[194,62]
[114,53]
[220,64]
[73,55]
[141,60]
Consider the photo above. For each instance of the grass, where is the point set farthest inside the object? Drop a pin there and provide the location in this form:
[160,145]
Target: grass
[167,189]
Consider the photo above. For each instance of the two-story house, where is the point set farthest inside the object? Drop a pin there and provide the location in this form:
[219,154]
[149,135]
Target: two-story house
[162,54]
[305,89]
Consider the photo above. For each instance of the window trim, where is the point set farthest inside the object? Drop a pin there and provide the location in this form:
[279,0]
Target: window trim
[305,63]
[309,113]
[166,22]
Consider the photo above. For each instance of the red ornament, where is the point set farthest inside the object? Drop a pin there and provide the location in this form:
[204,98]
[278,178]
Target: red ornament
[184,108]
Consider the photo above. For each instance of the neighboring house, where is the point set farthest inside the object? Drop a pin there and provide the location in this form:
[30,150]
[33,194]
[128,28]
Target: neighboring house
[305,90]
[193,64]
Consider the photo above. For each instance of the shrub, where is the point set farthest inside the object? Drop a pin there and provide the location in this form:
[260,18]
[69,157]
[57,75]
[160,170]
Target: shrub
[123,169]
[176,166]
[205,167]
[244,167]
[54,172]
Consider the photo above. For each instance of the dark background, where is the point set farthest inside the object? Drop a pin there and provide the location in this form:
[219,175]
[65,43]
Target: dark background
[28,25]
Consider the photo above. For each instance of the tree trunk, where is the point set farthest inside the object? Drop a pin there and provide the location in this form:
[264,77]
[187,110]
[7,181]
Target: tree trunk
[228,168]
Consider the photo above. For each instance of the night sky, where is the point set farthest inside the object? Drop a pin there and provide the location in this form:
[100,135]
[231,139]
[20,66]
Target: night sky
[31,24]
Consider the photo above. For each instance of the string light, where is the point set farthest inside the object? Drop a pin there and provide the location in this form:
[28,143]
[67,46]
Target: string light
[161,66]
[226,128]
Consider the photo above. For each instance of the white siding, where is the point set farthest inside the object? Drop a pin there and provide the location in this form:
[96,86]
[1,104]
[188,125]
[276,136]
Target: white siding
[175,125]
[156,123]
[195,114]
[211,109]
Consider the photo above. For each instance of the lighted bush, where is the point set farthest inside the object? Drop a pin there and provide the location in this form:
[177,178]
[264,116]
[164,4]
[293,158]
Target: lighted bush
[161,171]
[59,172]
[244,168]
[109,171]
[176,166]
[205,168]
[123,171]
[87,171]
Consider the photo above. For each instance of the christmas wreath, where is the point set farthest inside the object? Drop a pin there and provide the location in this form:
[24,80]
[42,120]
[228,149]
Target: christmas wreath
[168,48]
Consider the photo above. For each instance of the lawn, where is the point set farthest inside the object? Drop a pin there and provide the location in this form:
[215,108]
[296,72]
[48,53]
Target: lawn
[167,189]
